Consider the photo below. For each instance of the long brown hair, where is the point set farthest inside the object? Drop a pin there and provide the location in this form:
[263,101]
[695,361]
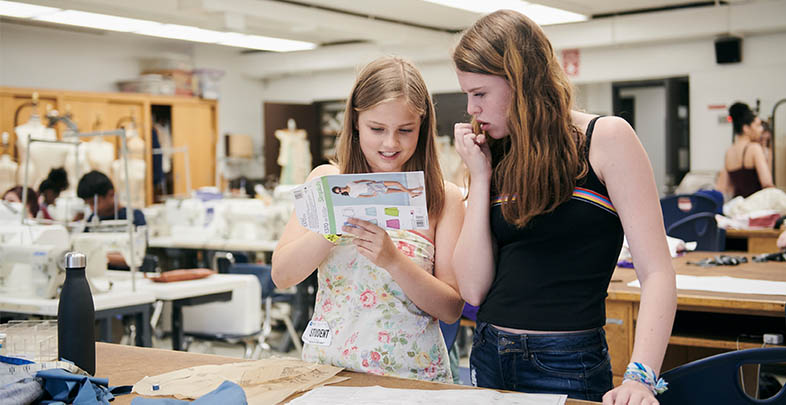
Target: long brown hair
[542,158]
[387,79]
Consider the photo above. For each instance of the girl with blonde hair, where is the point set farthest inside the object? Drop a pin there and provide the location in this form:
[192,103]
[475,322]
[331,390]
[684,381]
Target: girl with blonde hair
[382,292]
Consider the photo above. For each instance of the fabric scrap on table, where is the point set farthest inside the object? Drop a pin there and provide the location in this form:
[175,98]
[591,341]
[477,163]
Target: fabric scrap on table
[228,393]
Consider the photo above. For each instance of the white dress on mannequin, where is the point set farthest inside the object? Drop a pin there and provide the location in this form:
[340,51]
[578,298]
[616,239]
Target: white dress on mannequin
[7,167]
[294,155]
[76,171]
[100,155]
[43,156]
[7,173]
[136,169]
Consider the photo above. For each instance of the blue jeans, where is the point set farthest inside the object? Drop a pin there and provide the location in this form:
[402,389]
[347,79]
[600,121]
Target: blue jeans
[576,364]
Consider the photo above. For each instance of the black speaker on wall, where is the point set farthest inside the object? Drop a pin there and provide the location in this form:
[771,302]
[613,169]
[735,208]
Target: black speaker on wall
[728,50]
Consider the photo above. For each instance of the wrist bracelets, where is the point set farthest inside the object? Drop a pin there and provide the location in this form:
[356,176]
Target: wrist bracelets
[644,374]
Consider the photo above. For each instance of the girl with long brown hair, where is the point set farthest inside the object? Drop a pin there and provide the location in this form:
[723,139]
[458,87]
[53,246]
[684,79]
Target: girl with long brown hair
[381,292]
[552,192]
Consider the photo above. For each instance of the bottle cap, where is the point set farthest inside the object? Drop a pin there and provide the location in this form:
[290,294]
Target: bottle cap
[75,260]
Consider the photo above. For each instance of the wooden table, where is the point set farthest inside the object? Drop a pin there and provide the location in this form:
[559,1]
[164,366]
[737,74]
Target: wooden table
[759,240]
[125,365]
[707,322]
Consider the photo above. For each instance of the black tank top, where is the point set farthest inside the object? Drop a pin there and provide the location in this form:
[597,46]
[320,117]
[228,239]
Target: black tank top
[552,274]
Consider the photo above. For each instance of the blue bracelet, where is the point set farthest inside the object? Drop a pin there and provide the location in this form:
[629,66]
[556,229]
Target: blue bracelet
[642,373]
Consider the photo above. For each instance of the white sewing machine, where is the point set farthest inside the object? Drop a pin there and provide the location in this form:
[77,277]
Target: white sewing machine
[31,259]
[9,211]
[96,246]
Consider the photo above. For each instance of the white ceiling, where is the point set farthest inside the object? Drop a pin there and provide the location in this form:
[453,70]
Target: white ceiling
[351,32]
[382,22]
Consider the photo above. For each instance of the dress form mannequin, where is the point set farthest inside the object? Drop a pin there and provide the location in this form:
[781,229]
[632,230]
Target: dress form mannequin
[100,154]
[136,169]
[76,171]
[7,167]
[294,156]
[43,156]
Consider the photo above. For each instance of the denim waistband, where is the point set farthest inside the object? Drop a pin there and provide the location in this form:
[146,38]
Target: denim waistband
[589,340]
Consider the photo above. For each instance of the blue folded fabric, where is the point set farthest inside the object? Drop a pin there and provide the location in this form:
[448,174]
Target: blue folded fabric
[63,387]
[228,393]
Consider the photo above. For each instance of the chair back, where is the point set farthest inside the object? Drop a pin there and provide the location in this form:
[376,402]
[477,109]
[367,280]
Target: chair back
[680,206]
[716,379]
[701,228]
[449,332]
[262,271]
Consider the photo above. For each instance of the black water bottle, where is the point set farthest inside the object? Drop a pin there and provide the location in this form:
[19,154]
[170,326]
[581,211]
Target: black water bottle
[76,316]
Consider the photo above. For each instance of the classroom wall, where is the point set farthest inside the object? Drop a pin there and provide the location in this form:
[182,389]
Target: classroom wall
[94,62]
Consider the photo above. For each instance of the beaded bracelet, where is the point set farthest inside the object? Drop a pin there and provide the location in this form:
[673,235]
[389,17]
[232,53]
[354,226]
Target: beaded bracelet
[644,374]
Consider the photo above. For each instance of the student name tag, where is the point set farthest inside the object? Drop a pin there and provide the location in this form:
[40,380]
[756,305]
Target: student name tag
[317,333]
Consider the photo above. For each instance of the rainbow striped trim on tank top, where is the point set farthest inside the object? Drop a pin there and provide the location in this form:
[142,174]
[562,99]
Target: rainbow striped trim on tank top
[579,194]
[594,198]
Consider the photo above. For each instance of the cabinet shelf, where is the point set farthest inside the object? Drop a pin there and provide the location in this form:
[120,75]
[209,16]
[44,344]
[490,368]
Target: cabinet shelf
[696,341]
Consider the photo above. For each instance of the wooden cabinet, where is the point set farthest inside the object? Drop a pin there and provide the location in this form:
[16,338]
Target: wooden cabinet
[89,114]
[619,335]
[194,124]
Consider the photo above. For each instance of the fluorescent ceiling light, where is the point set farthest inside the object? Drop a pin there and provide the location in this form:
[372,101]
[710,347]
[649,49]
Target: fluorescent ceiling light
[149,28]
[265,43]
[99,21]
[542,15]
[22,10]
[184,32]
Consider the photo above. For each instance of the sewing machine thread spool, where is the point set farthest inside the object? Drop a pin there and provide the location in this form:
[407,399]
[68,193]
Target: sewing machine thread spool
[76,316]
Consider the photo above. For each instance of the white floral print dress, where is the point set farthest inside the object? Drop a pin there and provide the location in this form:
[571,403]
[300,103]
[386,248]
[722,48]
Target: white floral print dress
[375,328]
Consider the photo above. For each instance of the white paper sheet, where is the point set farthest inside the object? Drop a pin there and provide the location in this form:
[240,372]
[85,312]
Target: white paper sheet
[391,396]
[727,285]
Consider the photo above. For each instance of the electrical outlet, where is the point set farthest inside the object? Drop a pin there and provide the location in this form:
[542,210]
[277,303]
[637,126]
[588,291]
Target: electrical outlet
[773,338]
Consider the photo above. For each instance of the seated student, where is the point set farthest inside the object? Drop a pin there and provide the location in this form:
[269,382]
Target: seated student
[50,189]
[745,168]
[14,194]
[98,192]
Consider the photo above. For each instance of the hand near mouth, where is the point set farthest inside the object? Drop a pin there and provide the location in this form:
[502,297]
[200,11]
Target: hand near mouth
[473,149]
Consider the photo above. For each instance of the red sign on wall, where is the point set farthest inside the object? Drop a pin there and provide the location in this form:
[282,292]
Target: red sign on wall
[570,61]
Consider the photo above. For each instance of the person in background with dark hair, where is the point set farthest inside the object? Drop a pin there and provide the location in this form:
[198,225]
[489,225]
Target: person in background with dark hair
[50,189]
[745,168]
[98,192]
[14,194]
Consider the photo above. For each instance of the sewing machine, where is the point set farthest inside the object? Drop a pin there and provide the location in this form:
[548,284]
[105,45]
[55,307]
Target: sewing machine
[96,246]
[251,219]
[9,211]
[31,259]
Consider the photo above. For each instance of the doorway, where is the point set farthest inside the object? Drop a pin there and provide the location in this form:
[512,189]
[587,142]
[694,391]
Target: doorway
[658,110]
